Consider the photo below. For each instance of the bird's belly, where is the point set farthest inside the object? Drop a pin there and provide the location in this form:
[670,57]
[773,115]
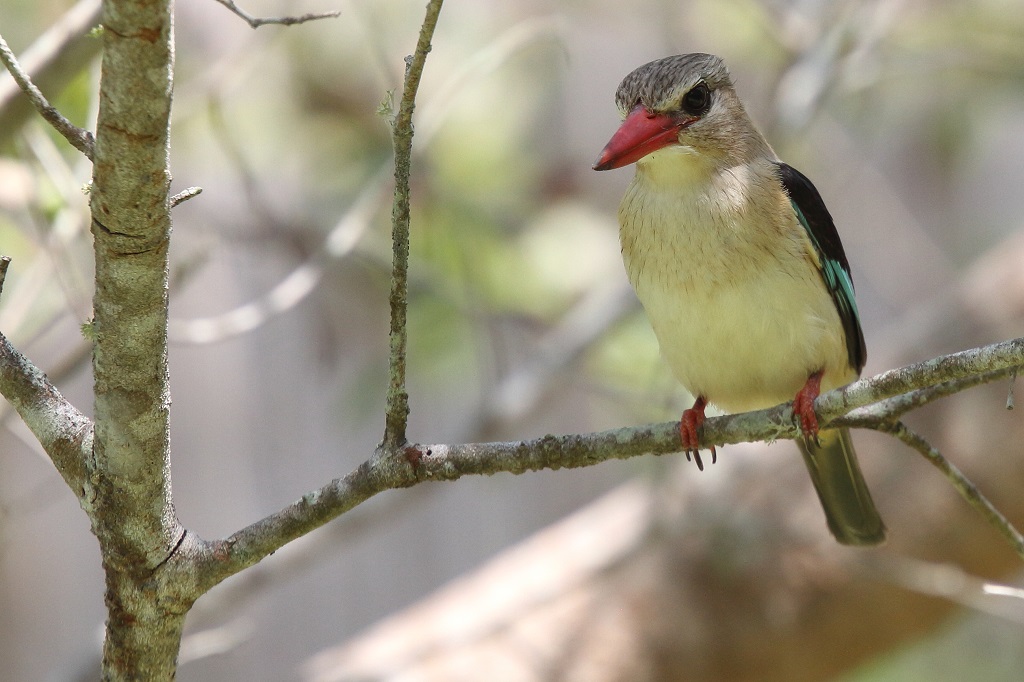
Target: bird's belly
[751,343]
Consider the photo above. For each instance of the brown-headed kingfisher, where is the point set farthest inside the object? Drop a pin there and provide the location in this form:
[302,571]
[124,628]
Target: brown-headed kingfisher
[740,269]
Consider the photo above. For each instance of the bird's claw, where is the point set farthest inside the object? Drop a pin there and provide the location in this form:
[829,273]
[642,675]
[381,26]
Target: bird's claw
[803,408]
[689,424]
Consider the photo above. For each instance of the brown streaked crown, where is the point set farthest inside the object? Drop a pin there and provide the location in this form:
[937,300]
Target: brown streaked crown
[659,85]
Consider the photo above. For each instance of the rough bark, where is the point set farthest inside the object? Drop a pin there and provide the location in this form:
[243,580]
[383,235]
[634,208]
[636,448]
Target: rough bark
[129,495]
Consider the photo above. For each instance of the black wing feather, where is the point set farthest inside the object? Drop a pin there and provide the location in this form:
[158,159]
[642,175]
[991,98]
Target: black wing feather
[816,219]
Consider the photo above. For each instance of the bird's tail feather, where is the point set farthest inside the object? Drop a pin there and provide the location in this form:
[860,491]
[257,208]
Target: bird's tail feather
[849,510]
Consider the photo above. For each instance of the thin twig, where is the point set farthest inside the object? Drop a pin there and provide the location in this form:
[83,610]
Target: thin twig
[960,482]
[53,59]
[895,407]
[988,362]
[80,139]
[185,194]
[397,413]
[256,22]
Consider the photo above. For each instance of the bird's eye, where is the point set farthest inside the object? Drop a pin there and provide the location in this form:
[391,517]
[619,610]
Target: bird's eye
[697,101]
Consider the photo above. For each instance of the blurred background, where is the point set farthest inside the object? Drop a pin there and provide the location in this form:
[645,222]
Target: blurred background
[907,114]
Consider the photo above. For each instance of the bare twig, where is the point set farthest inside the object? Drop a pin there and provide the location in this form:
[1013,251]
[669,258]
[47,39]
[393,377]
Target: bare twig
[185,194]
[960,482]
[256,22]
[80,139]
[989,362]
[397,414]
[893,408]
[52,61]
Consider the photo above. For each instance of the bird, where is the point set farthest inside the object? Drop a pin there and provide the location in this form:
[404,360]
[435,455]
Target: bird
[740,270]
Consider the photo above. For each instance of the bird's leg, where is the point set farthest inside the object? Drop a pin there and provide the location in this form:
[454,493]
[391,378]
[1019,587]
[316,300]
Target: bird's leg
[689,424]
[803,407]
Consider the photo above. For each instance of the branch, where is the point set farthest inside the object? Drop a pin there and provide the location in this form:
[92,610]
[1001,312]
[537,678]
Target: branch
[52,60]
[960,482]
[998,358]
[256,22]
[63,431]
[903,388]
[414,464]
[397,412]
[80,139]
[890,409]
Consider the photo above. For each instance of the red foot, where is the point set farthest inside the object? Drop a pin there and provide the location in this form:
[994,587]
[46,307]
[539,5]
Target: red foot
[803,406]
[689,424]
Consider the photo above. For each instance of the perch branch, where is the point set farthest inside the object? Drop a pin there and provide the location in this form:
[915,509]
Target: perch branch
[1005,356]
[890,409]
[413,464]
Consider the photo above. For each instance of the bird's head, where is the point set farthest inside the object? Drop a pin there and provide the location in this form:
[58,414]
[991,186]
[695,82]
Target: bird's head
[683,101]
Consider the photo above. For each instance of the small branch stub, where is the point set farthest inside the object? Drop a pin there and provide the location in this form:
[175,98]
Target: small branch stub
[185,194]
[5,261]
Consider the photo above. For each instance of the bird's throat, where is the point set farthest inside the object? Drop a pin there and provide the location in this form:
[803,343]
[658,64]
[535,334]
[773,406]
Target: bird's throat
[673,167]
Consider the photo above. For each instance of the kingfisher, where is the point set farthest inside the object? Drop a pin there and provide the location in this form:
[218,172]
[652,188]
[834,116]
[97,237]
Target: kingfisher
[740,269]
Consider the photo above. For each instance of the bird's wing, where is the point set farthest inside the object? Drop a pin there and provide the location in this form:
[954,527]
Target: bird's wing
[835,269]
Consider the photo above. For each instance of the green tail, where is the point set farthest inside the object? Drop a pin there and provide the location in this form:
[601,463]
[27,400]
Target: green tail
[844,495]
